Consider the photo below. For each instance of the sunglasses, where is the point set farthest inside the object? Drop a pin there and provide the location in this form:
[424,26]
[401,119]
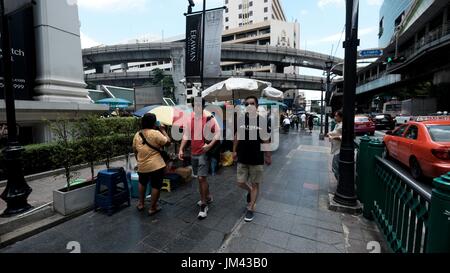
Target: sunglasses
[247,104]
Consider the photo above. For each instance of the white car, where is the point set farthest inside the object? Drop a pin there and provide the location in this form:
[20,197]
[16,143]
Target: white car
[402,119]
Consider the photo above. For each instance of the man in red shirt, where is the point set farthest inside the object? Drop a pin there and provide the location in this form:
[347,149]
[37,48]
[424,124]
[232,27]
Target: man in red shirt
[203,132]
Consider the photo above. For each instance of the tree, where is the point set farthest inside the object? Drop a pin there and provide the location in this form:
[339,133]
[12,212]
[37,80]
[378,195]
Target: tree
[90,130]
[107,139]
[65,132]
[166,81]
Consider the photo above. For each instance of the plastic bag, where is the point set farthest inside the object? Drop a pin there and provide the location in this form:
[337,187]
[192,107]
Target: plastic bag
[226,159]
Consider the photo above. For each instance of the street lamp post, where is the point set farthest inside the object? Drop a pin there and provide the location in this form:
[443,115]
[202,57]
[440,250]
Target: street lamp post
[321,135]
[17,190]
[328,65]
[345,192]
[203,48]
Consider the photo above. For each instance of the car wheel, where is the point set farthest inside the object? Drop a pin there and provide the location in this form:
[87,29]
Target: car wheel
[416,171]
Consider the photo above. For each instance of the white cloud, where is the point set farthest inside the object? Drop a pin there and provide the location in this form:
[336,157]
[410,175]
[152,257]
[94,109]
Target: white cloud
[324,3]
[87,42]
[113,5]
[334,38]
[374,2]
[209,3]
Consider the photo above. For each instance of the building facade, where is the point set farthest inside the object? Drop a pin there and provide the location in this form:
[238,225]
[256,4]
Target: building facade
[258,22]
[239,13]
[392,13]
[59,89]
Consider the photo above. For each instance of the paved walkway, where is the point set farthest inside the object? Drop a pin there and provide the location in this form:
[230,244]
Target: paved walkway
[43,188]
[292,215]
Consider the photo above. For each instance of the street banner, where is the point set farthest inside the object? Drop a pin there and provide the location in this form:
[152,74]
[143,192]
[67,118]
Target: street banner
[213,43]
[21,30]
[193,44]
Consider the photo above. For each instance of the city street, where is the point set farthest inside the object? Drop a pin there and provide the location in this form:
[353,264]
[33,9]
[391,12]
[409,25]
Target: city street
[291,215]
[100,98]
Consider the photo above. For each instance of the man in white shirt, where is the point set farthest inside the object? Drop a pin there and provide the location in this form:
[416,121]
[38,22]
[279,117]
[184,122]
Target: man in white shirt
[286,124]
[336,140]
[303,120]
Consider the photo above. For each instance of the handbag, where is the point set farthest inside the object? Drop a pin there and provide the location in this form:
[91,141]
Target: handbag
[165,156]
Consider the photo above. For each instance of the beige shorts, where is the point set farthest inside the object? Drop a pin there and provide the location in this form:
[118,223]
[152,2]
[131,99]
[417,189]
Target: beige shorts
[250,173]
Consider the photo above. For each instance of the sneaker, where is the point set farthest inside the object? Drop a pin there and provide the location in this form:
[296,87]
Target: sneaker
[203,212]
[210,200]
[249,216]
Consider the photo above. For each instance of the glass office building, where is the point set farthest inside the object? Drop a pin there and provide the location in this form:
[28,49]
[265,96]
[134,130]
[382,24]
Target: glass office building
[391,14]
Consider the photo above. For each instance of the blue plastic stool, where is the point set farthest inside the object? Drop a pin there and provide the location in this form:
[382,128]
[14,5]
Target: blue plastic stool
[109,193]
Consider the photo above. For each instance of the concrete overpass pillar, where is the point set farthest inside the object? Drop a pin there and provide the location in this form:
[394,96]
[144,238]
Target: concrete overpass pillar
[178,72]
[103,68]
[59,66]
[98,69]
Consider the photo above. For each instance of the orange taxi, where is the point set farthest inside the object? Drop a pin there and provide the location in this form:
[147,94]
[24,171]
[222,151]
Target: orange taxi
[423,145]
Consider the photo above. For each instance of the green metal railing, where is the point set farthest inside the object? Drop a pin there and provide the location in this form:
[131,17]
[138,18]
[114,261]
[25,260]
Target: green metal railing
[401,209]
[412,218]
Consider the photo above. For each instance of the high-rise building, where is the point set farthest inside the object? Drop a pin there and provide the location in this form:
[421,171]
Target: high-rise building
[258,22]
[240,13]
[392,13]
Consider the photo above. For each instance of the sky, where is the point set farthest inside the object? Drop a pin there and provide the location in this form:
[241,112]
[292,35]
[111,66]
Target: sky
[321,21]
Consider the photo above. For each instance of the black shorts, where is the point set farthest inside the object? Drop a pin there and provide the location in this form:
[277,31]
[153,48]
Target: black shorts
[155,178]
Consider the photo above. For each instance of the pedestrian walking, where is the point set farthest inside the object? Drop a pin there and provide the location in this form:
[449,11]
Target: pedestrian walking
[286,124]
[292,120]
[296,121]
[199,149]
[147,145]
[250,157]
[336,140]
[311,122]
[303,120]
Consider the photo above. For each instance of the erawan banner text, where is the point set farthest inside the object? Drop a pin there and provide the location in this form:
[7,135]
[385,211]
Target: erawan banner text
[193,44]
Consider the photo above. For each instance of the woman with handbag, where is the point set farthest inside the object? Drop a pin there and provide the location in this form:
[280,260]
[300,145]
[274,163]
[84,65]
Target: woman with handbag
[147,146]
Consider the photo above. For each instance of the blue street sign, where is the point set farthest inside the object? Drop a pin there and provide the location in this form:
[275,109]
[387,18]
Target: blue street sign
[370,53]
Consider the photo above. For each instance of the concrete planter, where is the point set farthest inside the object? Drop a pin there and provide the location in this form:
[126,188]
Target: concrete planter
[80,198]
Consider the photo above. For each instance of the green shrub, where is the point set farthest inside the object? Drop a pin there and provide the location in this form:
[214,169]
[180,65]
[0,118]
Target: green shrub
[116,139]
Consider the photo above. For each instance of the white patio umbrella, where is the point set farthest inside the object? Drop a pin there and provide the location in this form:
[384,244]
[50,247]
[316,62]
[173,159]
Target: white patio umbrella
[272,93]
[234,88]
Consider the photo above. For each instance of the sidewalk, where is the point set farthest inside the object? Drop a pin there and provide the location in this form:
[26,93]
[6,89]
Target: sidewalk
[292,215]
[43,188]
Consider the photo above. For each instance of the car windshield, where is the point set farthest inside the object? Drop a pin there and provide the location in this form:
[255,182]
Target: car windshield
[439,133]
[361,119]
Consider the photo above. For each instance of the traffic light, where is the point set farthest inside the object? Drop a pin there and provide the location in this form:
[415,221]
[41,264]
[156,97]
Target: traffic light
[395,60]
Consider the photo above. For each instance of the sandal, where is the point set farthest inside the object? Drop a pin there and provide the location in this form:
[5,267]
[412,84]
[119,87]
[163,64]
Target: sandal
[151,213]
[140,209]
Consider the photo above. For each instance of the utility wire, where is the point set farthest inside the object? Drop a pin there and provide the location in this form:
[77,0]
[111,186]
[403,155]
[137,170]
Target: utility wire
[342,34]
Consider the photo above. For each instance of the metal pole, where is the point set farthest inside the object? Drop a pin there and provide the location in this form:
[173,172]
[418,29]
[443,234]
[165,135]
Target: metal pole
[134,94]
[203,47]
[328,96]
[321,135]
[17,190]
[345,193]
